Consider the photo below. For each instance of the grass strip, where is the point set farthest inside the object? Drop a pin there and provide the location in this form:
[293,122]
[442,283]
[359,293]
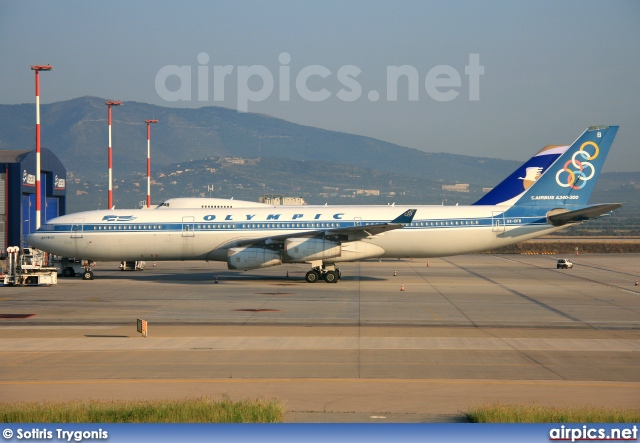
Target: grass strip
[535,413]
[192,410]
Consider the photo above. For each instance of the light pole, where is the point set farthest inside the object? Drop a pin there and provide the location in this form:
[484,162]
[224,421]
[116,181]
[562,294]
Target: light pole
[38,190]
[149,160]
[110,161]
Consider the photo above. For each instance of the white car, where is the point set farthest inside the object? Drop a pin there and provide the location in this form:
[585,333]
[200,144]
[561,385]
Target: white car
[564,263]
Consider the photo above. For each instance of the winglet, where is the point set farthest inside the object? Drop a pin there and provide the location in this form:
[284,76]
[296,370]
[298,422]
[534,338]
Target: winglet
[406,217]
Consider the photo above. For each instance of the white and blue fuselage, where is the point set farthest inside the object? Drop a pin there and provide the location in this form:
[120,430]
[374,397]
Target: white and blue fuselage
[547,193]
[205,234]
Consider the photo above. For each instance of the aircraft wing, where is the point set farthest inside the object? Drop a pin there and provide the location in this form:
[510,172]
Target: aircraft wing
[350,233]
[560,217]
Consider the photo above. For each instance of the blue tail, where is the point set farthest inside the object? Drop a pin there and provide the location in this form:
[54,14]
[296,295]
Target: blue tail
[570,180]
[557,175]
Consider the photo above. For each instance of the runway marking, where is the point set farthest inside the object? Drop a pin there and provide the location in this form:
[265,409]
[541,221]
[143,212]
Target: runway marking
[520,294]
[433,313]
[444,297]
[257,310]
[590,280]
[508,259]
[629,275]
[629,279]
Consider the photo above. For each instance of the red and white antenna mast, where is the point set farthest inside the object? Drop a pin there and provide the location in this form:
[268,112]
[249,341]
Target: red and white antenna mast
[38,190]
[149,160]
[110,161]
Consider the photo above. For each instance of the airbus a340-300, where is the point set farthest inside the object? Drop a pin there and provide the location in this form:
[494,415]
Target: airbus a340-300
[549,192]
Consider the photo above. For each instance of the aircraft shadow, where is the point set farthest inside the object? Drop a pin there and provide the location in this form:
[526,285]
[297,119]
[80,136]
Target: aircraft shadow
[221,277]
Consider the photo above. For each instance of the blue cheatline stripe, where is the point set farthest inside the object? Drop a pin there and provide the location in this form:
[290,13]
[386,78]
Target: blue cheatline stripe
[508,220]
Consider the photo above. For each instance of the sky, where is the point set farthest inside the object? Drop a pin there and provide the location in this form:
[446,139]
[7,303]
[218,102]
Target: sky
[495,79]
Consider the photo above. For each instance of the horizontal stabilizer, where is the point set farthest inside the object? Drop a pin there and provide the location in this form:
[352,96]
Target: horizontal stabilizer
[561,217]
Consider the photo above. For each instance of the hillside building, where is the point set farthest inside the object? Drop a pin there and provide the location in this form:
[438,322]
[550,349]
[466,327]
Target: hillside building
[365,192]
[459,187]
[280,200]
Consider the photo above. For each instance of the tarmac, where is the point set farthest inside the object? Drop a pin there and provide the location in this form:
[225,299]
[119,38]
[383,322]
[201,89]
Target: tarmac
[466,331]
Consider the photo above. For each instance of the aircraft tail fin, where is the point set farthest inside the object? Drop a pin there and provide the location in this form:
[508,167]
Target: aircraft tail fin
[571,179]
[560,175]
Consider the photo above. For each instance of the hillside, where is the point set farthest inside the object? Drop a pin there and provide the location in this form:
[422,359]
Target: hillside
[77,132]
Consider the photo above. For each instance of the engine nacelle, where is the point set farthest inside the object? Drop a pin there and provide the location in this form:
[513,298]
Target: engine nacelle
[308,249]
[252,258]
[360,250]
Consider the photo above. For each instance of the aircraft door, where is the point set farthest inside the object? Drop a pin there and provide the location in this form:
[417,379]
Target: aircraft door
[497,221]
[187,226]
[77,228]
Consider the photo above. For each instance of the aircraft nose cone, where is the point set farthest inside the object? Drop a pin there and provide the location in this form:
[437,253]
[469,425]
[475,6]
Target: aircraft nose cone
[31,239]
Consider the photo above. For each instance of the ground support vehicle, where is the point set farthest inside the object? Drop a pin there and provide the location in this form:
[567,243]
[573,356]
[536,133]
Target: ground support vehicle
[70,267]
[564,263]
[132,265]
[28,267]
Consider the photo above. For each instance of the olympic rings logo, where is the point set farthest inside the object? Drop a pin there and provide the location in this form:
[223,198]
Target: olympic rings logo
[577,174]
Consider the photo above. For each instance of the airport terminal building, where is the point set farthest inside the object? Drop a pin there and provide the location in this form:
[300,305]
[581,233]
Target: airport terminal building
[18,193]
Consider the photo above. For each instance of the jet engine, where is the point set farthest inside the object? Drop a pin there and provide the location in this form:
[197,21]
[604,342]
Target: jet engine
[307,249]
[252,258]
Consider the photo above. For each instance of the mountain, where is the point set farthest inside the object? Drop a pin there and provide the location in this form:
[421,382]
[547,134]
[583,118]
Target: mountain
[77,132]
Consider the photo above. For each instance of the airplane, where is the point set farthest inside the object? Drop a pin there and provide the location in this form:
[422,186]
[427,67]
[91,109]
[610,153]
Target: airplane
[547,193]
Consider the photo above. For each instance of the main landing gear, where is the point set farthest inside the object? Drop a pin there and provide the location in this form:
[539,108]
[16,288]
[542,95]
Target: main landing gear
[328,275]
